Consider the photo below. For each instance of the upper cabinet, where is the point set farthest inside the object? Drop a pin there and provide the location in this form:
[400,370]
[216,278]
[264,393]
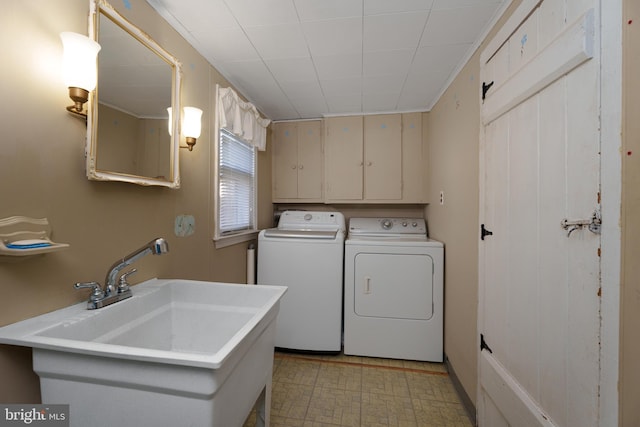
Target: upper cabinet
[297,162]
[343,158]
[363,158]
[382,157]
[367,159]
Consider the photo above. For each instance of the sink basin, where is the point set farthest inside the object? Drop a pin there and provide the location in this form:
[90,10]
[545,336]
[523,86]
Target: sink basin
[175,349]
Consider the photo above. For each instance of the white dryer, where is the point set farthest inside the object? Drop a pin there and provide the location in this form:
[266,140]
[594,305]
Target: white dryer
[306,254]
[393,290]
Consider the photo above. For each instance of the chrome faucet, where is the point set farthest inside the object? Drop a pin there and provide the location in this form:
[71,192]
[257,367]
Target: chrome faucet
[111,293]
[157,246]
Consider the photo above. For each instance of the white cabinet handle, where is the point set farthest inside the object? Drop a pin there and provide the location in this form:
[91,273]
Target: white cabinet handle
[367,285]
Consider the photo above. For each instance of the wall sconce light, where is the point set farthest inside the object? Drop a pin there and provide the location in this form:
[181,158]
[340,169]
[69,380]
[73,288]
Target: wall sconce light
[191,126]
[79,66]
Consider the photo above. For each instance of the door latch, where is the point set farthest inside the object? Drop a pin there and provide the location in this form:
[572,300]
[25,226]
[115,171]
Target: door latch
[594,223]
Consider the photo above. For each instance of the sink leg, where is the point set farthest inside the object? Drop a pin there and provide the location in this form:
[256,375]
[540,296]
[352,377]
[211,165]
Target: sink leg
[263,409]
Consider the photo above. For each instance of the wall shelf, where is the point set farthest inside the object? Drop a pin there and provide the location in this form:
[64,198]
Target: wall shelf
[21,236]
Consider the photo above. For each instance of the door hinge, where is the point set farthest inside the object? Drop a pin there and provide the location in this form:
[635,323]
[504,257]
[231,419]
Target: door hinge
[484,232]
[485,89]
[483,344]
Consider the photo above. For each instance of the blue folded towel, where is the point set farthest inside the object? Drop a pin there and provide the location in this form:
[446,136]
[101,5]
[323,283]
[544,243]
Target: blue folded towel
[28,244]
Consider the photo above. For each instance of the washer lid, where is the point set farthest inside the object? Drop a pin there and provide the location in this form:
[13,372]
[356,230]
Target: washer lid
[411,228]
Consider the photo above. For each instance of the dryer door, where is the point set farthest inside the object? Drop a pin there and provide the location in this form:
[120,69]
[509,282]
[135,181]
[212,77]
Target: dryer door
[398,286]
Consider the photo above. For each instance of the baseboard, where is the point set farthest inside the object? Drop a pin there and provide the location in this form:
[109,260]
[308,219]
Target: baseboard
[464,397]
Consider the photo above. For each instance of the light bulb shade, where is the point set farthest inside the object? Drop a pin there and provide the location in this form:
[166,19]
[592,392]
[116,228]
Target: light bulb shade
[192,122]
[79,60]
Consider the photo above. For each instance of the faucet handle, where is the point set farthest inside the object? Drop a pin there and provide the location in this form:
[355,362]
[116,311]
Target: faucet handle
[97,292]
[123,285]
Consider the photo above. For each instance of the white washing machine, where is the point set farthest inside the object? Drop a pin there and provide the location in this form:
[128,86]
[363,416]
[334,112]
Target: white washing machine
[393,290]
[306,254]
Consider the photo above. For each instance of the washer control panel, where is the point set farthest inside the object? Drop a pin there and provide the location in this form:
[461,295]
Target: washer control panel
[387,226]
[311,220]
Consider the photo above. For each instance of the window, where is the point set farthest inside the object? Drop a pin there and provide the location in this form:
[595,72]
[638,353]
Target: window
[240,132]
[236,186]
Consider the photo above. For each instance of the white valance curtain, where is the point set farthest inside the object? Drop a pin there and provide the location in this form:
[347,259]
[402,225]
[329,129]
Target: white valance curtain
[241,118]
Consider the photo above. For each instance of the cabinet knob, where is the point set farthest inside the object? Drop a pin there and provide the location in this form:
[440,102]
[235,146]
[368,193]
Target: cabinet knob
[293,166]
[369,163]
[301,167]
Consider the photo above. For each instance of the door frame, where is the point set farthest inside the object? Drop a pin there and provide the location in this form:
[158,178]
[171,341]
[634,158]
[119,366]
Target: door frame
[611,20]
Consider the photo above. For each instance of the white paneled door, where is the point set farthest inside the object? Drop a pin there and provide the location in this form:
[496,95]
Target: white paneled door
[539,313]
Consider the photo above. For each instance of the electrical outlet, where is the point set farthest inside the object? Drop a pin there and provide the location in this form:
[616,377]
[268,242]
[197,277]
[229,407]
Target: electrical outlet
[442,197]
[184,225]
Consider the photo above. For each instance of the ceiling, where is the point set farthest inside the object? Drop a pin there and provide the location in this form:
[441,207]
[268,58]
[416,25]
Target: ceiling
[300,59]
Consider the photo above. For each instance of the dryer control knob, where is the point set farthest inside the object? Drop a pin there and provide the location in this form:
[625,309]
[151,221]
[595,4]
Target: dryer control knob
[308,217]
[387,224]
[404,223]
[414,224]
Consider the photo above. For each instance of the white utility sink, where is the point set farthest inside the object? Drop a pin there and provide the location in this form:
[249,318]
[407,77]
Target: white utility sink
[177,353]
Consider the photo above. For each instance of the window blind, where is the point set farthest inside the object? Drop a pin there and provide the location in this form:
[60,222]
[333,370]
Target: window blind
[236,184]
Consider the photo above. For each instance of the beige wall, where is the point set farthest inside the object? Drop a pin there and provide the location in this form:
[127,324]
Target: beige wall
[453,132]
[42,174]
[452,129]
[630,301]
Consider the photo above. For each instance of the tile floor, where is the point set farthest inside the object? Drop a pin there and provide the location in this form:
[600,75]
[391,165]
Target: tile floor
[336,391]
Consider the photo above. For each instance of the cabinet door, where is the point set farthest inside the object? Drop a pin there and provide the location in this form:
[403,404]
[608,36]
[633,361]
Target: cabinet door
[310,160]
[413,159]
[285,161]
[382,157]
[343,158]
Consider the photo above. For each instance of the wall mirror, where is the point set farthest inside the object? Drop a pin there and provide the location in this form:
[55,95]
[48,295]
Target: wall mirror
[129,137]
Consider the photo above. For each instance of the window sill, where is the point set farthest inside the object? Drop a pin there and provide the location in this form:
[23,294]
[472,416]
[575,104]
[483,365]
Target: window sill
[223,242]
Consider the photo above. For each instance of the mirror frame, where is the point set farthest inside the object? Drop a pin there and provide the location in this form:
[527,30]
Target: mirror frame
[97,8]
